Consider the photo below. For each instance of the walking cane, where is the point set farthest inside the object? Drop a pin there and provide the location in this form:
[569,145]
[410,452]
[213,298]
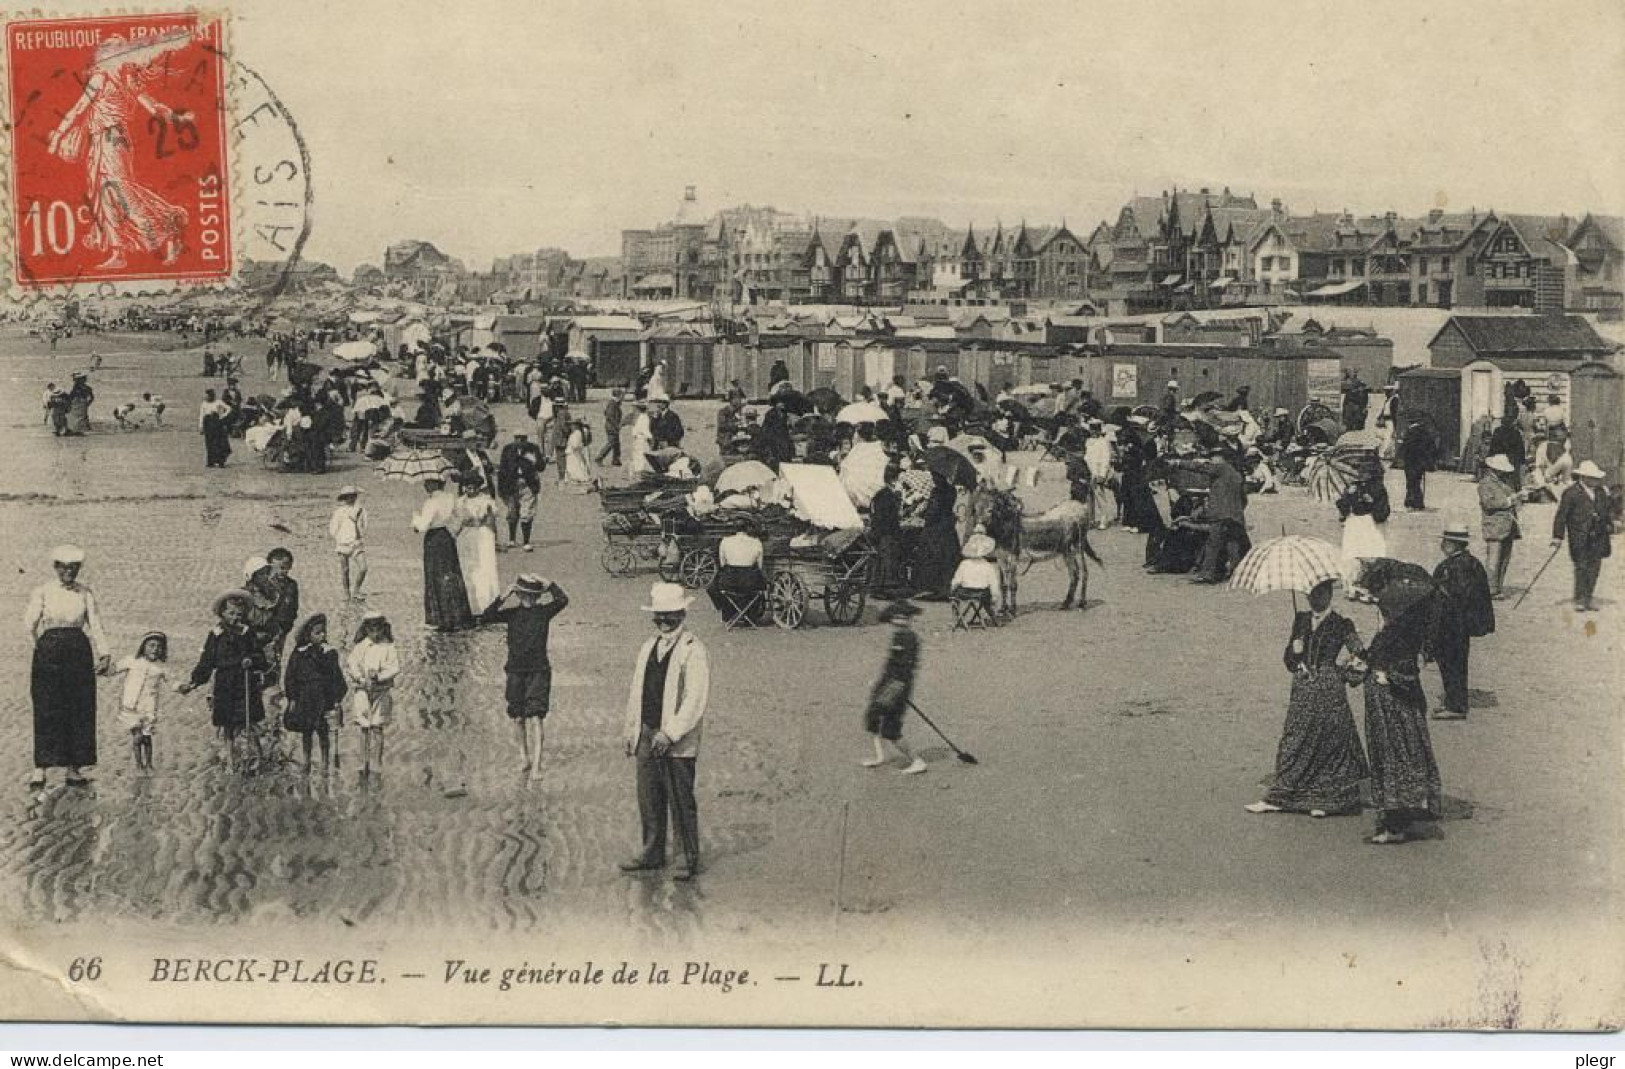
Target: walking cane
[962,755]
[1538,574]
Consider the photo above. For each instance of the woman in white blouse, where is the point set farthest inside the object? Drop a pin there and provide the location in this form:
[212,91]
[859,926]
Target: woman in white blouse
[69,649]
[445,595]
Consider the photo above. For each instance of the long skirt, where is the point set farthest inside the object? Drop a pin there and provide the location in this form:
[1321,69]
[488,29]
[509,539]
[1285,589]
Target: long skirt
[1319,763]
[477,548]
[78,416]
[936,556]
[445,597]
[739,584]
[216,442]
[63,686]
[1404,775]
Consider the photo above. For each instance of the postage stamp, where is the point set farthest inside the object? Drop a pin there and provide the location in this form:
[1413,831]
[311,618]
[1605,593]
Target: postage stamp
[119,151]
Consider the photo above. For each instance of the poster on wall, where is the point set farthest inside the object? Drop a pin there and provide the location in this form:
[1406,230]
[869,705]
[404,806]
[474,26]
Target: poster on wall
[1125,380]
[1325,382]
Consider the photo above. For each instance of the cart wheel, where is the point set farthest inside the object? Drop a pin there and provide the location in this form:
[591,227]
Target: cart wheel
[698,569]
[787,597]
[618,560]
[843,602]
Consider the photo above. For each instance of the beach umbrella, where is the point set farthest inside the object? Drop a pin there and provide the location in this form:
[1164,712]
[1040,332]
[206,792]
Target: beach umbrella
[355,350]
[951,465]
[1291,562]
[1329,477]
[746,475]
[323,362]
[861,412]
[415,465]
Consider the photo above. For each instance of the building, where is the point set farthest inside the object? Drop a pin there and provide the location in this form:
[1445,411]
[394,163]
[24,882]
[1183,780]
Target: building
[1491,351]
[1524,263]
[1598,244]
[425,270]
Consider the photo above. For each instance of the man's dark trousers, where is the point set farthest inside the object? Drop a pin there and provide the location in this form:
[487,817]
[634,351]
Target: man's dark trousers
[666,784]
[1450,650]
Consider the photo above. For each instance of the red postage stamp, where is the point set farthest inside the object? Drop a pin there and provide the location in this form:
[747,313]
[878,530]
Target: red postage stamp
[119,166]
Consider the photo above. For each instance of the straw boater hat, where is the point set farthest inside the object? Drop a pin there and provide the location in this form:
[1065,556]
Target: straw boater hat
[530,583]
[978,546]
[1457,532]
[1589,470]
[348,491]
[252,565]
[67,553]
[235,594]
[1498,463]
[658,396]
[668,597]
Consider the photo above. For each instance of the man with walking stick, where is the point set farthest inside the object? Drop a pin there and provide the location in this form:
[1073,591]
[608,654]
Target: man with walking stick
[671,683]
[883,719]
[1585,515]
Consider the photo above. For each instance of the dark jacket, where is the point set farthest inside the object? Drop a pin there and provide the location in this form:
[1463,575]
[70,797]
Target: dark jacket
[1463,605]
[1586,521]
[1507,441]
[237,700]
[773,442]
[313,685]
[520,464]
[666,429]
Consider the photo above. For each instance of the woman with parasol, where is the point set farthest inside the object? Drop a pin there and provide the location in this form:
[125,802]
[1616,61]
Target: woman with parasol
[1319,763]
[1405,783]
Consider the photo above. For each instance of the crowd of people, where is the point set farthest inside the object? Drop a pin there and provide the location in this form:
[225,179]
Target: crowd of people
[1180,473]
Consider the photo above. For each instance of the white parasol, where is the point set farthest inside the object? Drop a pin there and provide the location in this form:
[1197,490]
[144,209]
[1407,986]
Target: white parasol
[861,412]
[355,350]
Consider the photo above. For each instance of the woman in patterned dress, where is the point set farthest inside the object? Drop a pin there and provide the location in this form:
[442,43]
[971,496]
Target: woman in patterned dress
[1319,764]
[1405,784]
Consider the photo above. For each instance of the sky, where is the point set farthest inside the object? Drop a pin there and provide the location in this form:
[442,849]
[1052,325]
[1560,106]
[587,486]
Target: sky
[492,128]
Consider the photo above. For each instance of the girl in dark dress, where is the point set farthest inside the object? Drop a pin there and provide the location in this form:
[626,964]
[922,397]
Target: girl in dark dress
[1405,784]
[1319,764]
[313,687]
[886,532]
[237,664]
[937,554]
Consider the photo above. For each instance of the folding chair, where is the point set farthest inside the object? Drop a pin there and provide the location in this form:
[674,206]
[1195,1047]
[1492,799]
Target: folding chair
[740,612]
[973,612]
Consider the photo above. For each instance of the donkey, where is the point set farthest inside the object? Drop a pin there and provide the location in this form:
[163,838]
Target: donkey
[1023,541]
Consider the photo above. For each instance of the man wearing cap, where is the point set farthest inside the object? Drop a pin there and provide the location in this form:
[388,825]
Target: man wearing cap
[1585,516]
[529,672]
[1498,500]
[348,529]
[519,481]
[664,425]
[1462,612]
[1224,514]
[665,707]
[1356,400]
[890,699]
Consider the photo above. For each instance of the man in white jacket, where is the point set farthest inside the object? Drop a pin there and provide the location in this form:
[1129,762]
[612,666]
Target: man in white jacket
[664,710]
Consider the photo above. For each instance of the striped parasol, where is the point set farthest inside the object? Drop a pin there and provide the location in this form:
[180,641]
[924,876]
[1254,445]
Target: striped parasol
[415,465]
[1329,476]
[1291,562]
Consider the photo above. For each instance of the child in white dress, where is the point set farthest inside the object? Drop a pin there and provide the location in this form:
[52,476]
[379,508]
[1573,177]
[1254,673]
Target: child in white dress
[144,675]
[372,667]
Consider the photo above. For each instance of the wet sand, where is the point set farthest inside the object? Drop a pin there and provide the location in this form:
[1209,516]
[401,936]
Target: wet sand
[1117,747]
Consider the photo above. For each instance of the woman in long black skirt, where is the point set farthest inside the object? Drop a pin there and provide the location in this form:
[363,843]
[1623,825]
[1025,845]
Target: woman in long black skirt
[69,649]
[1319,764]
[445,596]
[1405,783]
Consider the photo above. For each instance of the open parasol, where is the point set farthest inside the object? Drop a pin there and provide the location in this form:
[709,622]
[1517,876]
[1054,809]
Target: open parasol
[416,465]
[862,412]
[1399,586]
[951,465]
[1329,476]
[746,475]
[355,350]
[1291,562]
